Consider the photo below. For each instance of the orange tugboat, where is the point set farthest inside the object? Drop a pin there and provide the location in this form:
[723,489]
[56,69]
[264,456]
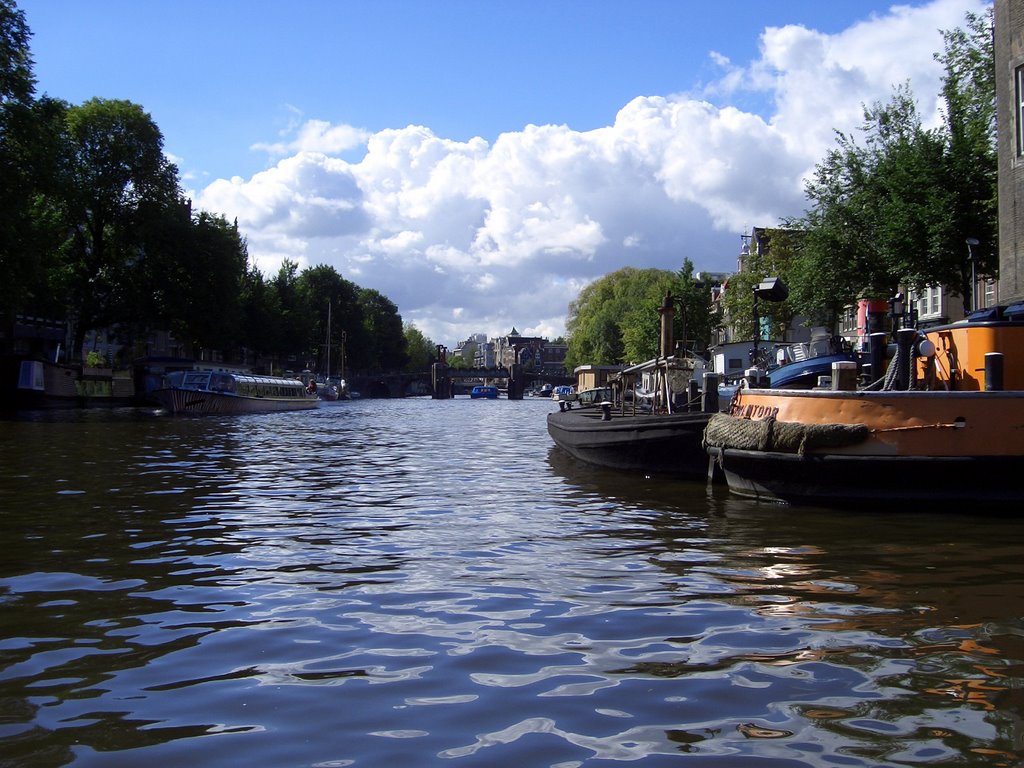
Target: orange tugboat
[953,432]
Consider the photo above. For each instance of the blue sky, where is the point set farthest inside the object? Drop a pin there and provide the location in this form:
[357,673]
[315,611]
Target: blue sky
[479,162]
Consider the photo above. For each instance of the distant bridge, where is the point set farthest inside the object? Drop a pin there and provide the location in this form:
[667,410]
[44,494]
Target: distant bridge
[442,382]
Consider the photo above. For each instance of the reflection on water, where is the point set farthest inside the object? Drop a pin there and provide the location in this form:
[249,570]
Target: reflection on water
[417,582]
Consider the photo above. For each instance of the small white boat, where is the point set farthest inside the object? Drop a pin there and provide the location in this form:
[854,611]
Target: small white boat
[564,395]
[219,392]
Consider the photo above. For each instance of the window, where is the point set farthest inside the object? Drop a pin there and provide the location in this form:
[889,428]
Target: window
[848,324]
[929,302]
[1018,76]
[990,293]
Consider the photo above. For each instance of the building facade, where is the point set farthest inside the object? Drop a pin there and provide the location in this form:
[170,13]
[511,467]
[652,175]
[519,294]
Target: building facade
[1009,56]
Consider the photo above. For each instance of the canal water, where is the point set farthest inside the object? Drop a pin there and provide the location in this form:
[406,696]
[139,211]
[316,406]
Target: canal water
[420,583]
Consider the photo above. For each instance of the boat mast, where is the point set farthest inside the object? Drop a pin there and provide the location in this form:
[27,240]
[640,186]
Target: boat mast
[328,341]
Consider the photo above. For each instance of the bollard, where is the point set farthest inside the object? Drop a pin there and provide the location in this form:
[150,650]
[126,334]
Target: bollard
[866,376]
[710,404]
[905,338]
[993,371]
[844,376]
[878,345]
[606,411]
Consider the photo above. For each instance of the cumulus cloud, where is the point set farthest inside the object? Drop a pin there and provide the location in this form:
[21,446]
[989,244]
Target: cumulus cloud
[476,236]
[316,136]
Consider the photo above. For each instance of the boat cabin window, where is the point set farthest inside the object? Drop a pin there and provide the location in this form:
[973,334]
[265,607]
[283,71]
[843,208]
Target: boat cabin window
[196,380]
[222,382]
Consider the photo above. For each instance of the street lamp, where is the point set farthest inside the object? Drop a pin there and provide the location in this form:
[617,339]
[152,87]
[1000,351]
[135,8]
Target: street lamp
[769,289]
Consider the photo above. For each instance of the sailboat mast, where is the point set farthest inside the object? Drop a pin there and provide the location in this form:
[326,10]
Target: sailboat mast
[328,340]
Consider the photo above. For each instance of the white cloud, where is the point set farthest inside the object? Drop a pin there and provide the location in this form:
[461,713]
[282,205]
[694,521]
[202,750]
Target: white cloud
[473,236]
[317,136]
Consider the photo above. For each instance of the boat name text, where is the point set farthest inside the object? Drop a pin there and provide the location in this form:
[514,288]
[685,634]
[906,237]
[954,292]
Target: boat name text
[756,412]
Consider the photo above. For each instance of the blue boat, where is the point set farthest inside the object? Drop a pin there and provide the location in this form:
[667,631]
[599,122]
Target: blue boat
[803,374]
[484,392]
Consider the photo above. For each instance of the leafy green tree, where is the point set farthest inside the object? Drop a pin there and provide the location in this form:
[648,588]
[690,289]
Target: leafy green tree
[694,319]
[261,313]
[117,168]
[295,336]
[868,226]
[774,255]
[19,263]
[420,349]
[216,264]
[17,81]
[898,209]
[969,94]
[467,356]
[383,326]
[32,223]
[459,362]
[615,319]
[328,295]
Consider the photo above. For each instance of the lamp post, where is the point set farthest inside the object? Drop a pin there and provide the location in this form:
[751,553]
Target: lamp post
[972,243]
[769,289]
[344,336]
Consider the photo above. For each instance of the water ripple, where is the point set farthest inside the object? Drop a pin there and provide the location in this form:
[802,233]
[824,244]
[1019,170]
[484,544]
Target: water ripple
[417,582]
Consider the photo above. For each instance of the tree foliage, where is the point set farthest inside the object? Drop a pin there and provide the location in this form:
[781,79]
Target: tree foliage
[17,82]
[898,208]
[18,171]
[774,255]
[95,230]
[616,318]
[421,351]
[383,330]
[117,177]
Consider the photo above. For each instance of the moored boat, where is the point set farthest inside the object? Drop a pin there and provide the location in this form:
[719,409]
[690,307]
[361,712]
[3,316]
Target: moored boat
[610,428]
[953,435]
[219,392]
[659,443]
[31,384]
[564,395]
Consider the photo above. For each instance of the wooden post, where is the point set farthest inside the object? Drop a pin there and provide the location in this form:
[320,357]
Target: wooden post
[710,397]
[878,343]
[440,383]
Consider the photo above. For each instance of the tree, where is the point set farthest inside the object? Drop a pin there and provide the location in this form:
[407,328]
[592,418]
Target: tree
[694,319]
[383,326]
[898,209]
[969,94]
[465,356]
[17,83]
[18,267]
[261,312]
[774,253]
[294,324]
[326,294]
[214,267]
[117,169]
[615,318]
[420,349]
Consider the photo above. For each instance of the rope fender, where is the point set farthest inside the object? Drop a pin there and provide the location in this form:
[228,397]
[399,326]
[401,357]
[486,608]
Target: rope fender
[725,431]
